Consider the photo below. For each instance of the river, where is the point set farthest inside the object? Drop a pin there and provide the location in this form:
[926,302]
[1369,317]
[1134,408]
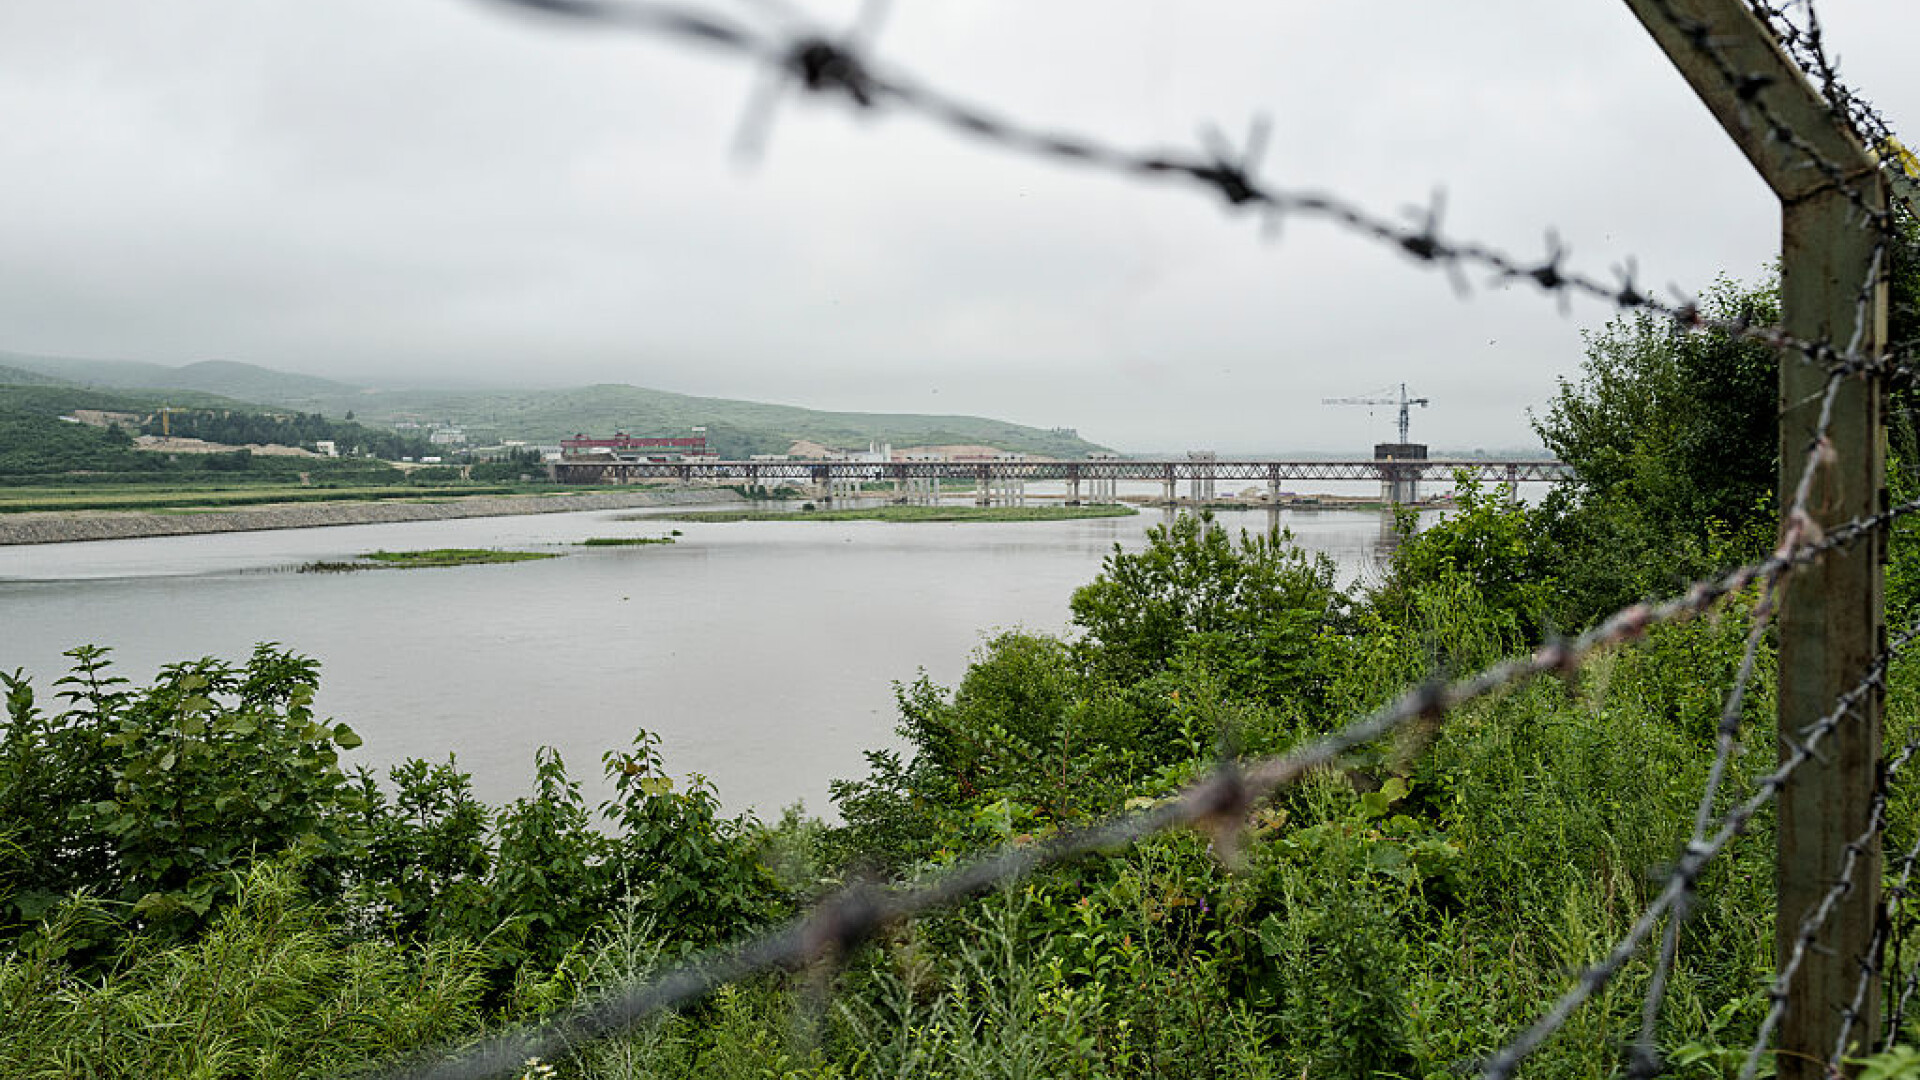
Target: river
[763,654]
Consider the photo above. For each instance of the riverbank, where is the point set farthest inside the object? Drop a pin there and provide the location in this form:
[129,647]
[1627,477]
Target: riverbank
[46,527]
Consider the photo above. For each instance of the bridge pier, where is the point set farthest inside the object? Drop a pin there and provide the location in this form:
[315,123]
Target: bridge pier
[1202,483]
[1103,484]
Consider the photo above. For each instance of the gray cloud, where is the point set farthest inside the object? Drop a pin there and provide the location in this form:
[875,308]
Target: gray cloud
[437,190]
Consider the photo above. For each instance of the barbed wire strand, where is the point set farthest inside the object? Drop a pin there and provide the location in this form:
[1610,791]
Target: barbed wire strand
[1807,48]
[1900,891]
[1817,917]
[1750,90]
[1686,874]
[822,65]
[1795,523]
[1646,1061]
[1223,797]
[1871,965]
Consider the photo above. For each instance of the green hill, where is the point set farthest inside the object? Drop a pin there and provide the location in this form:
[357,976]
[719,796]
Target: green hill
[734,428]
[226,378]
[51,399]
[13,376]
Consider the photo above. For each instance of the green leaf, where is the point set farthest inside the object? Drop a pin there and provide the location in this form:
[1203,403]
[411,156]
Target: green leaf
[346,737]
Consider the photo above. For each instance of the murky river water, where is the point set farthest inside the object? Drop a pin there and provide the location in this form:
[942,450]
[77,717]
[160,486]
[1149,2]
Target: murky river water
[763,654]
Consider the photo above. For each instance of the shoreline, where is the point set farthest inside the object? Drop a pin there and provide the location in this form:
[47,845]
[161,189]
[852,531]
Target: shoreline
[72,526]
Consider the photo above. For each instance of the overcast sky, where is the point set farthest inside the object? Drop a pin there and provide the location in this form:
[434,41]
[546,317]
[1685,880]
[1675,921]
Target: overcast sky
[418,191]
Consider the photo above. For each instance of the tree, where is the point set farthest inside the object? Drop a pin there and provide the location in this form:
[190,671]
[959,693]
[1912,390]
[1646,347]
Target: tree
[1673,436]
[1250,610]
[1679,423]
[1488,544]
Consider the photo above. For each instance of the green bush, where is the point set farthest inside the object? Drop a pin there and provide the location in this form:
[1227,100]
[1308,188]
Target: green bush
[152,799]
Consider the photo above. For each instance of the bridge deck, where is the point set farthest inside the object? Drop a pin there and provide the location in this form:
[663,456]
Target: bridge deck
[1162,471]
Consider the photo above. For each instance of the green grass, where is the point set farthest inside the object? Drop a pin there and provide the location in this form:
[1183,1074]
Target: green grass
[381,560]
[625,541]
[913,514]
[454,556]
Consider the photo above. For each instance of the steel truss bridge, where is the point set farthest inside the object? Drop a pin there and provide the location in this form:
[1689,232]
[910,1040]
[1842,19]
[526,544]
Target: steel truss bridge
[1399,478]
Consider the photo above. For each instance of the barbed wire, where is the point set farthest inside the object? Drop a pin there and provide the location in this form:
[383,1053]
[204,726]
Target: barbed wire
[1807,48]
[836,67]
[1818,916]
[1872,964]
[1750,89]
[1687,872]
[1901,891]
[1796,522]
[1219,802]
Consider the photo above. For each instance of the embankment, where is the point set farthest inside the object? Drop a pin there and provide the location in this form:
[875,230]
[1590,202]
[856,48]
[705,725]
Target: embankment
[55,528]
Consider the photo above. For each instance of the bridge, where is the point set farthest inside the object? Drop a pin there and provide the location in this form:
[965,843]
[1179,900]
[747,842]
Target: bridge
[1004,480]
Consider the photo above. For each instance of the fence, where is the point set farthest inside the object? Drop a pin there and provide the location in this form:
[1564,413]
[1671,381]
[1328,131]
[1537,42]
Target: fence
[1820,590]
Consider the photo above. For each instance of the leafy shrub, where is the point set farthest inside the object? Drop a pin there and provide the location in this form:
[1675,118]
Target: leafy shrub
[1248,610]
[152,798]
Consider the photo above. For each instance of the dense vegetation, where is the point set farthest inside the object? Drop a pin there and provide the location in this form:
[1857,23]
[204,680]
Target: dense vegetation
[191,884]
[40,449]
[306,430]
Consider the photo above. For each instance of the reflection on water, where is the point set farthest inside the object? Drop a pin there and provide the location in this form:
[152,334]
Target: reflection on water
[762,653]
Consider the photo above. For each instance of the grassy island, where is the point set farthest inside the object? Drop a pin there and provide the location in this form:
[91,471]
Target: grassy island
[377,560]
[626,541]
[454,556]
[915,514]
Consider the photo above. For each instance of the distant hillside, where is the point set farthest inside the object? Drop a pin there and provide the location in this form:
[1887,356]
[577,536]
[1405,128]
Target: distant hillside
[734,428]
[226,378]
[49,399]
[13,376]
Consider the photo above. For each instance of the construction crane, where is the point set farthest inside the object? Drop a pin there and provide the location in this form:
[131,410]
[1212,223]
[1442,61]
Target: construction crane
[1403,401]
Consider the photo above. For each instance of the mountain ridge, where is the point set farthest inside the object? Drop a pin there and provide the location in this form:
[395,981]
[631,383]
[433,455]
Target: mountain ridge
[735,427]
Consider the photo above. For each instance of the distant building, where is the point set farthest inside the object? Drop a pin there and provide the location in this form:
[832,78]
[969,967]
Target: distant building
[447,436]
[326,448]
[625,447]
